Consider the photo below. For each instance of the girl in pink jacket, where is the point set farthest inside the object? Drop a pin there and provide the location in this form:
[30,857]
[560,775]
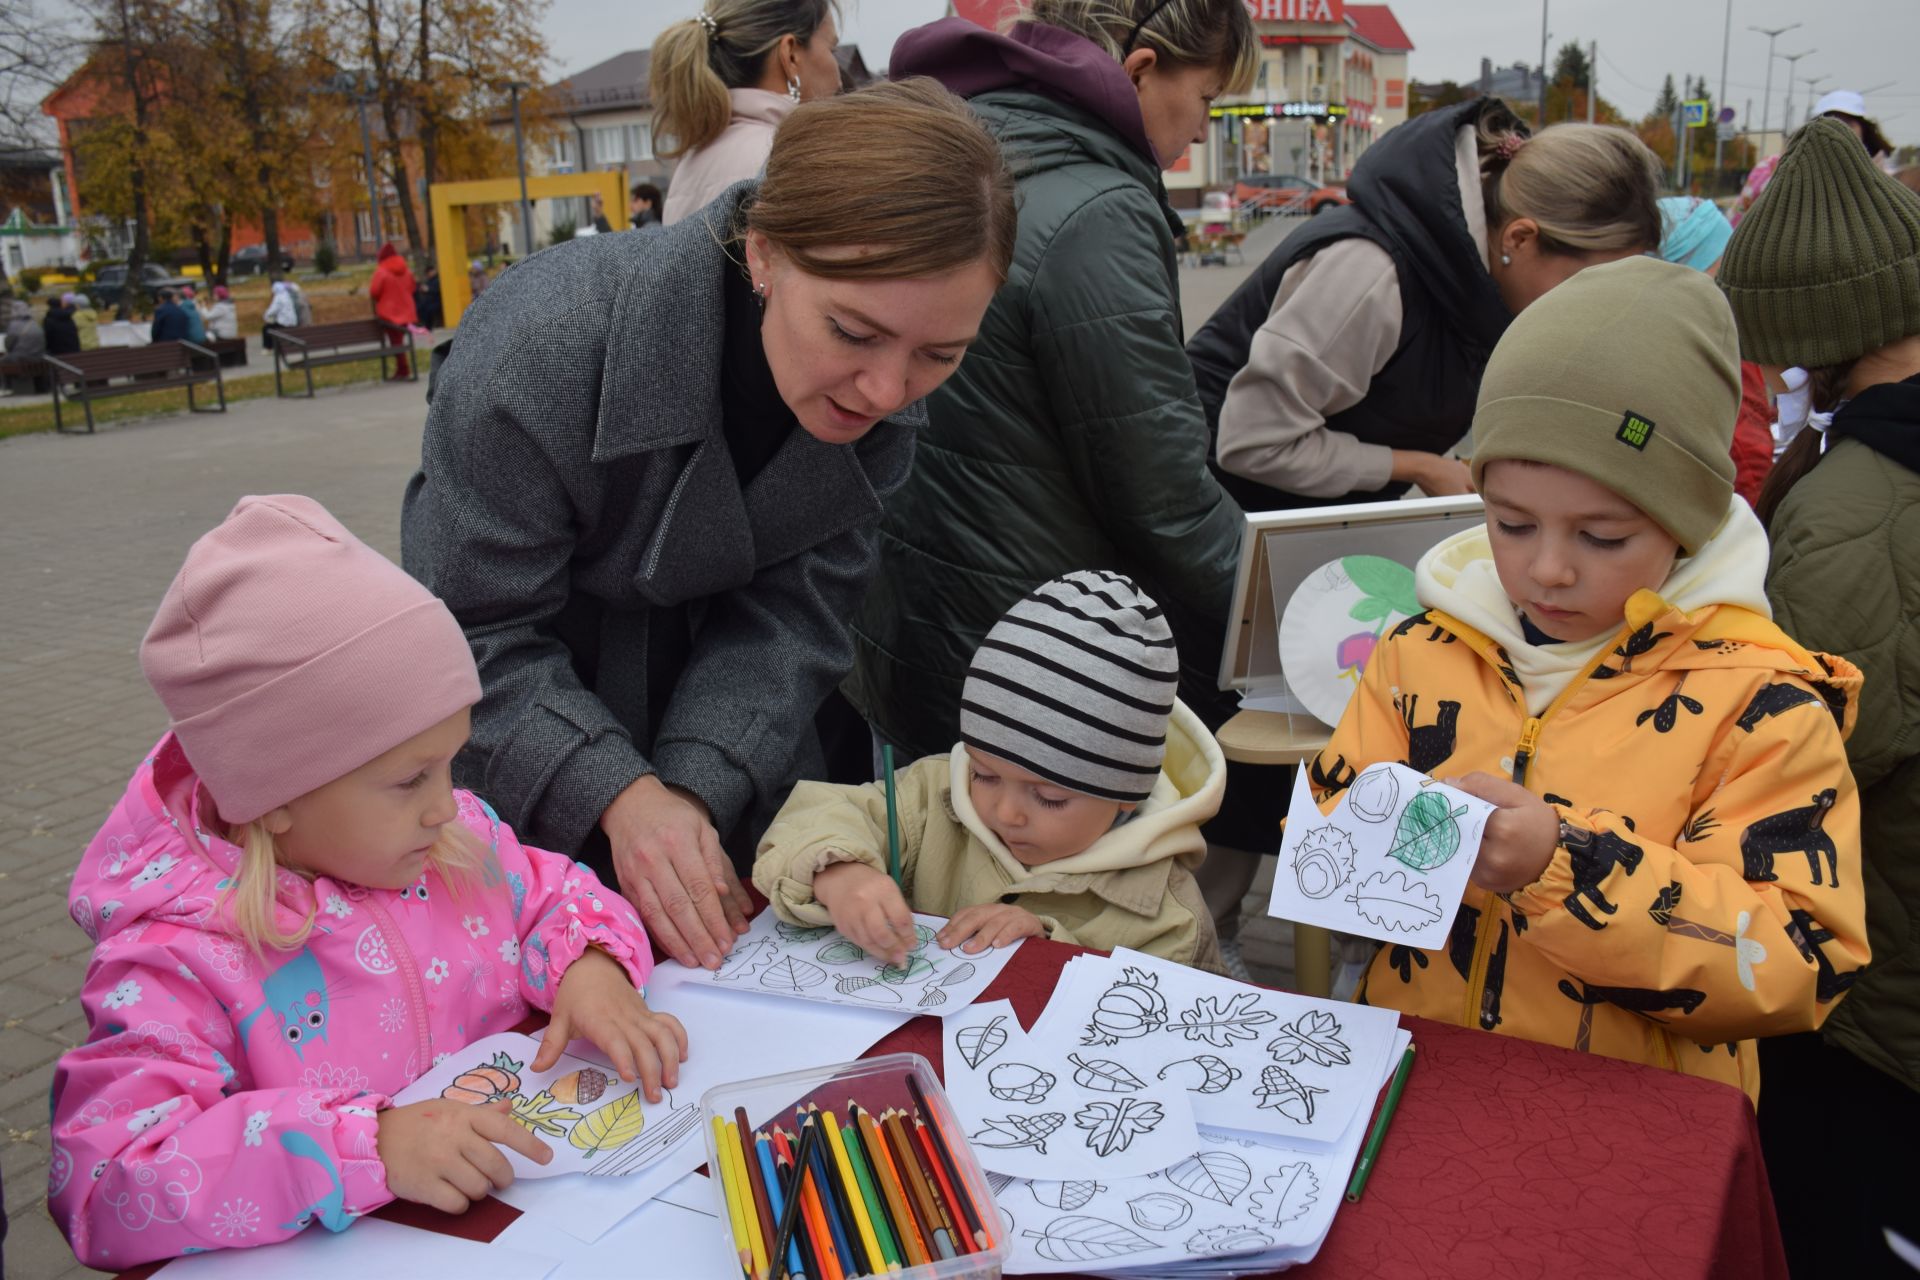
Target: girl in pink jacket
[296,915]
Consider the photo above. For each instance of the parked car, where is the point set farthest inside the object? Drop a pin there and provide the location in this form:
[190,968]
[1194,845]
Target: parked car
[251,260]
[110,282]
[1264,188]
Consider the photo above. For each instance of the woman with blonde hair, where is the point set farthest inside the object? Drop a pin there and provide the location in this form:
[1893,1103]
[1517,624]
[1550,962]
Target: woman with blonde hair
[1073,437]
[654,534]
[1346,367]
[725,79]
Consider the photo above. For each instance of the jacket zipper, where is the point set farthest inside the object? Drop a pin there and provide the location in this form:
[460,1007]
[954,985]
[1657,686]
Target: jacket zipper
[409,969]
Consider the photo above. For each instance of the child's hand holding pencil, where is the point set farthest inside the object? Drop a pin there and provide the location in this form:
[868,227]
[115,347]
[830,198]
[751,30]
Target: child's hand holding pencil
[868,908]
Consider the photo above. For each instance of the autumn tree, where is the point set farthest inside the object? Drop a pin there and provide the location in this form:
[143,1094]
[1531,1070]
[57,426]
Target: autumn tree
[119,151]
[1571,67]
[36,51]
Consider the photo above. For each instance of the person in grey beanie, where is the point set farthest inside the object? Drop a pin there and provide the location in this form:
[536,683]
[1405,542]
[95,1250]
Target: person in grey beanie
[1069,809]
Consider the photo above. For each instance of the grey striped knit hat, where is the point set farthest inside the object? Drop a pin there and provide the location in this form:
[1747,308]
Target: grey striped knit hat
[1075,683]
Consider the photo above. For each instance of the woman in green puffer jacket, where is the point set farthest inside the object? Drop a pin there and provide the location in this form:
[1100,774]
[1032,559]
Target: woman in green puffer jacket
[1072,436]
[1824,273]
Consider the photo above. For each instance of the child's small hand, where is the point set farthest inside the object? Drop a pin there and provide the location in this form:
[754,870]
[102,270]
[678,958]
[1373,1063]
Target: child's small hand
[443,1153]
[597,1002]
[994,925]
[867,906]
[1520,837]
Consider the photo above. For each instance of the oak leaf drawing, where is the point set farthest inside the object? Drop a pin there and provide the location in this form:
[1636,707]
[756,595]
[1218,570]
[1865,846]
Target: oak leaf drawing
[1220,1025]
[1112,1126]
[1312,1037]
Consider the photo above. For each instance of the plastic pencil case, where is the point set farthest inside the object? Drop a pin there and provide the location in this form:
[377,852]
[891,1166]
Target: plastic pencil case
[878,1085]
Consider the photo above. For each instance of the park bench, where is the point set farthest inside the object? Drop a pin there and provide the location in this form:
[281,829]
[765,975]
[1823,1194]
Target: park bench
[123,371]
[232,351]
[23,375]
[308,345]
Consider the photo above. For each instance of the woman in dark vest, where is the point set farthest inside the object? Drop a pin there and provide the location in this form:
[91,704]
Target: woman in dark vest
[1347,365]
[651,477]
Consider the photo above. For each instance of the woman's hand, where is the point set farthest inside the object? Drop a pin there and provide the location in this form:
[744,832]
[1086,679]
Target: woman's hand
[597,1002]
[1436,476]
[668,860]
[868,907]
[997,924]
[444,1154]
[1521,833]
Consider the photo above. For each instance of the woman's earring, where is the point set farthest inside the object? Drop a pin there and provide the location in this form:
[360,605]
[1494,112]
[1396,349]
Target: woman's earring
[760,293]
[1506,260]
[793,88]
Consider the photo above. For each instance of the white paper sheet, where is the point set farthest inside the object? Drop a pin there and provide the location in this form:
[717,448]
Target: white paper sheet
[1235,1203]
[370,1247]
[1250,1059]
[1390,862]
[818,964]
[677,1233]
[1023,1118]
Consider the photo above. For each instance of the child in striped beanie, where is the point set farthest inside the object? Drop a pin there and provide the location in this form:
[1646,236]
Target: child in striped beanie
[1069,809]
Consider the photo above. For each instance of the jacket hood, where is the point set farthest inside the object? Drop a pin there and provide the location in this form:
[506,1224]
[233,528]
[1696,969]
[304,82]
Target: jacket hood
[970,60]
[393,265]
[1885,418]
[153,861]
[1408,185]
[1193,777]
[1458,578]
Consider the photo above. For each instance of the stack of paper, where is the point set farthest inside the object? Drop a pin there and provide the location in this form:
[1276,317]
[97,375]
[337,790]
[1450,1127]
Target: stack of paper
[1160,1120]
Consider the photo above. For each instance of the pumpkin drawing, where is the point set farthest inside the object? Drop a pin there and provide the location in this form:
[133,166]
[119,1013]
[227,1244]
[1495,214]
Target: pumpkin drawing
[498,1079]
[1128,1009]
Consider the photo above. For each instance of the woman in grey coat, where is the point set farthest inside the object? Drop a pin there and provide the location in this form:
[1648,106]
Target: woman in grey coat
[652,475]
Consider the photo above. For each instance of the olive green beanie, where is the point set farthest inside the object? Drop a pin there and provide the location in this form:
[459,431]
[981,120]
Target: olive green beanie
[1826,265]
[1628,374]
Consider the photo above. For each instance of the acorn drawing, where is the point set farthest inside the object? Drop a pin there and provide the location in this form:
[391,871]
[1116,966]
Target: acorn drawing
[582,1086]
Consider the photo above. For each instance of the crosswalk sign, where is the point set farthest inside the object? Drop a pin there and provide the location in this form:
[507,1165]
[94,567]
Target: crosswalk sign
[1695,113]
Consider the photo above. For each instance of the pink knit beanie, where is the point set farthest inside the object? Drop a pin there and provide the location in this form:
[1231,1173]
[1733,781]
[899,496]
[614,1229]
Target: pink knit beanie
[288,653]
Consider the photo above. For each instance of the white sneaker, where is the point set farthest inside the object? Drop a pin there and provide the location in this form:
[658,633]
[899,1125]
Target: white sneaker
[1232,961]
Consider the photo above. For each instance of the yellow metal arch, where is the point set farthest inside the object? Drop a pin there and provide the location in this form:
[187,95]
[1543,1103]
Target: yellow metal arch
[450,229]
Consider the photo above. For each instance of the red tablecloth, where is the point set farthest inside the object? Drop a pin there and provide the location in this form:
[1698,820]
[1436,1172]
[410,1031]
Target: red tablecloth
[1506,1160]
[1513,1159]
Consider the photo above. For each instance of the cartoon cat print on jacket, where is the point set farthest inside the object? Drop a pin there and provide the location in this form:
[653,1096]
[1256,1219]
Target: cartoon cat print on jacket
[1724,741]
[227,1098]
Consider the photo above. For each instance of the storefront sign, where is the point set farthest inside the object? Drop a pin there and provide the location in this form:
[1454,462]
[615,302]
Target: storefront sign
[1328,11]
[1280,110]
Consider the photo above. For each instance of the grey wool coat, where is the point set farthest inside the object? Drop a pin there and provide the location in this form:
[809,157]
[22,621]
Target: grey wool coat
[575,482]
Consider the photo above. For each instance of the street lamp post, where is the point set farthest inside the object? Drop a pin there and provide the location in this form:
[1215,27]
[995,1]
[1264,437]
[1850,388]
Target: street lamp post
[1543,64]
[373,183]
[514,87]
[1813,84]
[1793,61]
[1766,98]
[1720,103]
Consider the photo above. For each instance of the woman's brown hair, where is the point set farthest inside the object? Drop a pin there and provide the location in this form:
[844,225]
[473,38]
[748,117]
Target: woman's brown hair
[903,171]
[1826,388]
[1209,33]
[1590,188]
[696,61]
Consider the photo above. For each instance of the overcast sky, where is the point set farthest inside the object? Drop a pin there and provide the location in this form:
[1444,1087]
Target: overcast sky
[1858,44]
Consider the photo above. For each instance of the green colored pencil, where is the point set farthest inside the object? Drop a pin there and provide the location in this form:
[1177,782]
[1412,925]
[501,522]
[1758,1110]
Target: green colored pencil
[893,818]
[1378,1134]
[869,1191]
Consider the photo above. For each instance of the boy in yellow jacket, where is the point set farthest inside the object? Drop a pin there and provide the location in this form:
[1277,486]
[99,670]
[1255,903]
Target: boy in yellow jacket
[1674,865]
[1070,808]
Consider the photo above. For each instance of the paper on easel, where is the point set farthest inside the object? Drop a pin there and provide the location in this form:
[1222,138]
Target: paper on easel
[1390,862]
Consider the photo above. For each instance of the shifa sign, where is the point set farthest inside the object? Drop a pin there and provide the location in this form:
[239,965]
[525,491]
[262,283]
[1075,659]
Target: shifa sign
[1324,11]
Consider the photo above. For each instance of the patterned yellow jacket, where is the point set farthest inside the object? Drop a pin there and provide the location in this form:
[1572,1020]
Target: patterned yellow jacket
[1722,898]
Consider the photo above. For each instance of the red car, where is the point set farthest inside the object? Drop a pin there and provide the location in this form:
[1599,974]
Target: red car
[1285,189]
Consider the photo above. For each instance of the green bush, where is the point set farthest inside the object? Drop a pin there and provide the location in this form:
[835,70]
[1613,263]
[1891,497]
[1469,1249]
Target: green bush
[29,279]
[562,232]
[325,260]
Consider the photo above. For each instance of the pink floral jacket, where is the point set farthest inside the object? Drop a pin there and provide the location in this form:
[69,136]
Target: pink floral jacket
[225,1098]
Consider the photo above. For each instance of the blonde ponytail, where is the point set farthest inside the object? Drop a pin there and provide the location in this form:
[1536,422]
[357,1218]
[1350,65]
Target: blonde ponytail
[697,61]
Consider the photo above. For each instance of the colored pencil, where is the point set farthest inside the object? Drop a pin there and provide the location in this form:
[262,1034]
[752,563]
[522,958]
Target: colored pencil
[975,1226]
[749,1212]
[916,1178]
[802,1230]
[786,1261]
[862,1221]
[893,817]
[756,1184]
[730,1192]
[826,1260]
[1378,1134]
[870,1192]
[913,1250]
[846,1238]
[943,1191]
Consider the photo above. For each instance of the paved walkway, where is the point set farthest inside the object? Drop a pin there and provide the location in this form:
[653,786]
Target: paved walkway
[94,529]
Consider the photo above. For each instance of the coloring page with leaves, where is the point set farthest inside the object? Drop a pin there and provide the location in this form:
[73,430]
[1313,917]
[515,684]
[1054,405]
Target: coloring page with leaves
[814,962]
[1090,1116]
[1249,1059]
[589,1118]
[1390,862]
[1233,1203]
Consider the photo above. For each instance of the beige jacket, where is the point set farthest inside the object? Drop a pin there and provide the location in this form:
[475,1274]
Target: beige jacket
[1334,324]
[1133,887]
[740,152]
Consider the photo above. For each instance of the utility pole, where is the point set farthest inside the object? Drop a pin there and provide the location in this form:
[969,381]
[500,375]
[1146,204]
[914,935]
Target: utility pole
[1593,74]
[1812,83]
[1766,98]
[514,87]
[1720,102]
[1786,116]
[1543,64]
